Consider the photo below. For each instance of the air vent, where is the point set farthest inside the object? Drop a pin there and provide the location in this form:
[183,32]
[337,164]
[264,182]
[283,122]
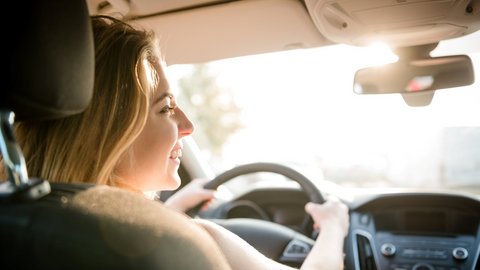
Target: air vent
[366,260]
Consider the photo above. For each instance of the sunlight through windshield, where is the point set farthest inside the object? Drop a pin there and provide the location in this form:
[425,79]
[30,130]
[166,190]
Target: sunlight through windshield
[298,107]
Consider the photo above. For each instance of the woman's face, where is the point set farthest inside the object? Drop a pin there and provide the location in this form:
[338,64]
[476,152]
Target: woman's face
[154,159]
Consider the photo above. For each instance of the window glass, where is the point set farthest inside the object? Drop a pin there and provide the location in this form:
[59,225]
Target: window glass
[298,108]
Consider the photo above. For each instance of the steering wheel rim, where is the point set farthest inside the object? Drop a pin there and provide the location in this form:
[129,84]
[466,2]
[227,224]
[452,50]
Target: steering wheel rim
[307,186]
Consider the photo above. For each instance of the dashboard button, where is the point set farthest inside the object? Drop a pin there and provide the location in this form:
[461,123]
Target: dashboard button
[388,249]
[364,219]
[460,253]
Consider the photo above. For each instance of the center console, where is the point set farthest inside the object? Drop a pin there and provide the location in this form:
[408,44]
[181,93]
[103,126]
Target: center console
[391,235]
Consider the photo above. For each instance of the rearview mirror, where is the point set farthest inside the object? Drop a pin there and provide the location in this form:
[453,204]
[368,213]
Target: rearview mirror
[415,75]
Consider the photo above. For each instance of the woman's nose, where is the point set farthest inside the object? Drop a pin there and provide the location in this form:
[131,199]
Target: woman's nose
[185,126]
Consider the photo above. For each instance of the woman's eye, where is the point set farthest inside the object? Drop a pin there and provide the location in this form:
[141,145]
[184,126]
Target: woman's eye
[168,109]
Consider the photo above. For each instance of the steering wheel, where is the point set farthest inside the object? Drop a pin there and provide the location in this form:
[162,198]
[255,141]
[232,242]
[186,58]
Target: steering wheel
[272,239]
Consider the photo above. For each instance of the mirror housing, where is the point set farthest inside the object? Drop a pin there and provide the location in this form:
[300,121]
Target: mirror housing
[407,76]
[415,71]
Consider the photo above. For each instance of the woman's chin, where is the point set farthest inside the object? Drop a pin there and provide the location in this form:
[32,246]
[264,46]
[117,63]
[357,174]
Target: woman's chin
[171,183]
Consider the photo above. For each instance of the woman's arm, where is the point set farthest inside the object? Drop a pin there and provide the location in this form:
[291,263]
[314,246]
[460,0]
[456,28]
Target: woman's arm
[240,255]
[331,218]
[327,252]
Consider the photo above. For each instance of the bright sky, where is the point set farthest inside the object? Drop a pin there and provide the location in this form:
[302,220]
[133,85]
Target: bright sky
[293,99]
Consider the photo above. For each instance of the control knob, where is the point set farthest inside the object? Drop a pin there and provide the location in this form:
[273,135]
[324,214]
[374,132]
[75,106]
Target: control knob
[388,249]
[460,253]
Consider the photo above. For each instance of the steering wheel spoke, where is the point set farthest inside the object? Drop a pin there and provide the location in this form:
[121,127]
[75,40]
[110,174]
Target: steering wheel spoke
[297,250]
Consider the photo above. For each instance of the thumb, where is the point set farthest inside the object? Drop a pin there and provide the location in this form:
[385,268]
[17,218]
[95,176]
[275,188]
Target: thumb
[309,207]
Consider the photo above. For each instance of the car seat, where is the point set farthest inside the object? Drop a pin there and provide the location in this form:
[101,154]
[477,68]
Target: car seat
[43,225]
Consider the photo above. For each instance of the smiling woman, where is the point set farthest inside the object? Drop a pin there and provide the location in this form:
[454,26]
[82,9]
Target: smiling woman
[138,145]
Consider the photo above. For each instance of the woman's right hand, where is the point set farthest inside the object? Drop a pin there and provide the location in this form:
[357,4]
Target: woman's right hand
[331,218]
[332,213]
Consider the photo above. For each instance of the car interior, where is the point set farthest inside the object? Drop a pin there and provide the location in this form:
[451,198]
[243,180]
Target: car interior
[78,226]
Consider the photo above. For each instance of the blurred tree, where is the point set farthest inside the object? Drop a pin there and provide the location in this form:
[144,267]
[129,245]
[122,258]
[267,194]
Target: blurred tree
[211,108]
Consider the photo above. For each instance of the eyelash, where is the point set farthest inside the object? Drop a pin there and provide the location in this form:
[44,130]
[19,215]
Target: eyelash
[168,109]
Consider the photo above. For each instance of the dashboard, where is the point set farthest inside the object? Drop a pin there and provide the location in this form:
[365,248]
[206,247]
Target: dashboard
[394,231]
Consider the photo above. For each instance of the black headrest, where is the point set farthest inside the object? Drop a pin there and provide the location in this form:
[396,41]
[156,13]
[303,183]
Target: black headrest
[50,55]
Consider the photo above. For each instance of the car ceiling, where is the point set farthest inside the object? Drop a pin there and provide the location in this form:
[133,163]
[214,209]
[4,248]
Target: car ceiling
[194,31]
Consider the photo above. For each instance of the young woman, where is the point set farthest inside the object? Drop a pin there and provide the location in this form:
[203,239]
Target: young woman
[130,137]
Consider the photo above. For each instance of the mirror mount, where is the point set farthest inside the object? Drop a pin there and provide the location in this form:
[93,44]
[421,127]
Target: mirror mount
[418,99]
[414,52]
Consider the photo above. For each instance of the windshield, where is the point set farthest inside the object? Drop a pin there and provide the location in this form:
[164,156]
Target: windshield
[298,108]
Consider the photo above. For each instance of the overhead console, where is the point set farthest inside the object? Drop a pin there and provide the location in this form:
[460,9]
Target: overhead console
[399,23]
[415,232]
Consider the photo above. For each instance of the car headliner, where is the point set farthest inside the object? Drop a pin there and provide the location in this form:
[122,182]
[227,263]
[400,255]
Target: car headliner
[253,27]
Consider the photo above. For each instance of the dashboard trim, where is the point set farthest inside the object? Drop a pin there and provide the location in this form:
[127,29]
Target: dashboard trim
[354,241]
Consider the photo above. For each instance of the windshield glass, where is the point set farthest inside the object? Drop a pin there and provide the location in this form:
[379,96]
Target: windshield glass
[298,108]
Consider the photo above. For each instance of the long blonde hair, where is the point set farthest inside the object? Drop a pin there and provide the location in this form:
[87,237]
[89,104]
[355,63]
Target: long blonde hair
[87,147]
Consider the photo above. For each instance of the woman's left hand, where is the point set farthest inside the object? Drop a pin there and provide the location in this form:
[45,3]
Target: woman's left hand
[190,196]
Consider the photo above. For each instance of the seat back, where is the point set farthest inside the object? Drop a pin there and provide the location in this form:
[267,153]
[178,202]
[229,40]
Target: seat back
[75,226]
[83,227]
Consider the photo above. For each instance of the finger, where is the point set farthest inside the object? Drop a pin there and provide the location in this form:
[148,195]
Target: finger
[312,209]
[309,207]
[208,195]
[202,181]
